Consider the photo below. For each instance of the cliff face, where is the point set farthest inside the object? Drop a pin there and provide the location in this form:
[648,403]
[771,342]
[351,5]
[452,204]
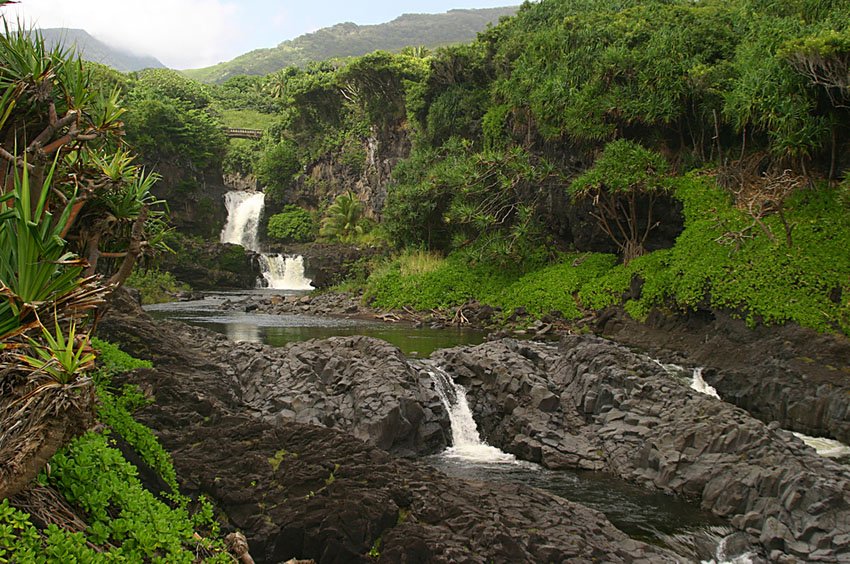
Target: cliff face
[365,172]
[196,199]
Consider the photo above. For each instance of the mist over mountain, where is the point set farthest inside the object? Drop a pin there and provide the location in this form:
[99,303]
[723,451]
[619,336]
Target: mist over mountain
[92,49]
[351,40]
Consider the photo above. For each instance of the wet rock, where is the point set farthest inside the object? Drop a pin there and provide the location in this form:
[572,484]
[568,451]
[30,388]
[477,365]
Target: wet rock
[299,490]
[619,411]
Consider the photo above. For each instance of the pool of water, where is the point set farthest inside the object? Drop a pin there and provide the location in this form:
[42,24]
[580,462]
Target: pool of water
[637,512]
[279,330]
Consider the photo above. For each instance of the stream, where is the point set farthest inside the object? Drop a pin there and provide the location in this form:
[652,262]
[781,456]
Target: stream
[639,513]
[650,516]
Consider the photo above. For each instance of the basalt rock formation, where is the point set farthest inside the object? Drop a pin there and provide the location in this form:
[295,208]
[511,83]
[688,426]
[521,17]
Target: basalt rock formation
[302,490]
[800,378]
[590,403]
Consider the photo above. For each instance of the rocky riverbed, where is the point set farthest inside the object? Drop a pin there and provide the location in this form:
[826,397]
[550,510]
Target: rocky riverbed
[305,490]
[788,374]
[586,403]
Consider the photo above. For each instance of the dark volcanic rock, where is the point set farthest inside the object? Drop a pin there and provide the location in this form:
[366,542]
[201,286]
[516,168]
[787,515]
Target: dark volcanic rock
[359,384]
[305,491]
[800,379]
[618,411]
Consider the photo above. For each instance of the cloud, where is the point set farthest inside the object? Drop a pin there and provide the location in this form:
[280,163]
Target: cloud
[181,33]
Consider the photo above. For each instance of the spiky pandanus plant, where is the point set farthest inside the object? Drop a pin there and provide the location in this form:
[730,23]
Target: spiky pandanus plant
[68,192]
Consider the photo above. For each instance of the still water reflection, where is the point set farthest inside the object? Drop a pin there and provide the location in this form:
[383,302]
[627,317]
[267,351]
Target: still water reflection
[279,330]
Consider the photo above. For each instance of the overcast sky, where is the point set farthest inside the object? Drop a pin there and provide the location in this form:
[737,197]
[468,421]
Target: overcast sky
[198,33]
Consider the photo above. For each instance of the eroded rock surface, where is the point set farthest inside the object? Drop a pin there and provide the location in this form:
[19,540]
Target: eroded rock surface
[788,374]
[361,385]
[308,491]
[590,403]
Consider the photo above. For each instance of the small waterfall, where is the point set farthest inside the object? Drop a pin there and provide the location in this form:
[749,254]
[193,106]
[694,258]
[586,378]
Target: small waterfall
[242,228]
[283,272]
[466,443]
[828,448]
[700,385]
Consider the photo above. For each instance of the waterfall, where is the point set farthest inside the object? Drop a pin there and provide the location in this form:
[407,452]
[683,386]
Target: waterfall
[466,442]
[828,448]
[284,272]
[243,219]
[700,385]
[279,272]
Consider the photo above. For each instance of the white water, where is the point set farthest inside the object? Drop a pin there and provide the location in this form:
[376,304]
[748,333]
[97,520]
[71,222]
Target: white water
[279,272]
[700,385]
[466,442]
[828,448]
[283,272]
[243,219]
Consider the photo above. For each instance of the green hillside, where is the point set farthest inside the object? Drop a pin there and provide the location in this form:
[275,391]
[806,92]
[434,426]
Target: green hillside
[351,40]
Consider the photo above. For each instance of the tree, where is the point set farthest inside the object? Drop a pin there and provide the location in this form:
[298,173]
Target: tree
[623,185]
[342,220]
[67,188]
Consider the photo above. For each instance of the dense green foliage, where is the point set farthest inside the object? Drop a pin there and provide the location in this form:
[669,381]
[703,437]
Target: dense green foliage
[155,286]
[351,40]
[292,225]
[277,166]
[719,261]
[124,521]
[170,118]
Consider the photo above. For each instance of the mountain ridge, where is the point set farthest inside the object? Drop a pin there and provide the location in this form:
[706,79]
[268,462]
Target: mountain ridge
[92,49]
[349,39]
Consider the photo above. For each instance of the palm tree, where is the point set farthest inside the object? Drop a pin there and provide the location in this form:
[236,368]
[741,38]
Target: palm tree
[342,220]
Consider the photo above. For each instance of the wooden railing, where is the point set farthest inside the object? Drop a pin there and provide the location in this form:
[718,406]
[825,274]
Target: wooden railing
[237,133]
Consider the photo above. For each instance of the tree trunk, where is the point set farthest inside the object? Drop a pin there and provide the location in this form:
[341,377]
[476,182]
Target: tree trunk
[30,439]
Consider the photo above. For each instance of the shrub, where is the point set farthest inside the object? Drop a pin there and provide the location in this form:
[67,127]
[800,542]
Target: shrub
[292,225]
[156,286]
[277,166]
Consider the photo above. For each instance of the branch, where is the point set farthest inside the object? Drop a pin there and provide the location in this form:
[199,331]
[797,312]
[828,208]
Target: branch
[48,132]
[19,162]
[133,251]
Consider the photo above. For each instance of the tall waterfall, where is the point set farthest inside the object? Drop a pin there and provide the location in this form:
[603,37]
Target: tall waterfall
[243,219]
[279,272]
[466,442]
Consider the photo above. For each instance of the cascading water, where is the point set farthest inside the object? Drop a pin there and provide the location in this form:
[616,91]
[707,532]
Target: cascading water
[700,385]
[284,272]
[466,442]
[828,448]
[243,219]
[280,272]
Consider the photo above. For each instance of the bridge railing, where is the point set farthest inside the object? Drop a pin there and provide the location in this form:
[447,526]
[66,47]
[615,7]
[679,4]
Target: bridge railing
[241,133]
